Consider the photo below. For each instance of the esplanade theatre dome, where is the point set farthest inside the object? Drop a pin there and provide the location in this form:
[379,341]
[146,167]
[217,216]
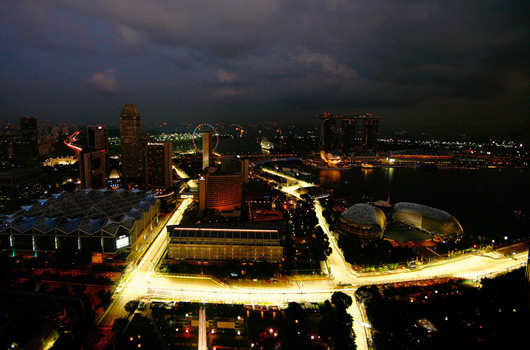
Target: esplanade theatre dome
[435,221]
[364,221]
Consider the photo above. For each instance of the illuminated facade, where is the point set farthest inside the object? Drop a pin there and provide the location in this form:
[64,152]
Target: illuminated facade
[193,243]
[220,191]
[158,164]
[364,221]
[434,221]
[131,146]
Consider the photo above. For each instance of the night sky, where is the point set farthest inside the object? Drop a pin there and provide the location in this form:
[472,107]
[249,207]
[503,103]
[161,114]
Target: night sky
[458,66]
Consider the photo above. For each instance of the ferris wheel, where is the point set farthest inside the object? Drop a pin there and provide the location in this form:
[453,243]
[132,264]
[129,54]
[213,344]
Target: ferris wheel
[199,130]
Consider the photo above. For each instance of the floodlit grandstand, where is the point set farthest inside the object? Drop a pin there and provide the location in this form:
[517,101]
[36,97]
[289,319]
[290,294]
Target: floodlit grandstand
[89,220]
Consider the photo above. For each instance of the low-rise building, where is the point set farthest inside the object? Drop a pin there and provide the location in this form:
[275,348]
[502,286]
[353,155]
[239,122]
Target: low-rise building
[202,243]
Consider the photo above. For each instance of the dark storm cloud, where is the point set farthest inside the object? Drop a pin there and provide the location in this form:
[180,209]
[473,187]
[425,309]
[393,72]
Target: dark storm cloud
[304,57]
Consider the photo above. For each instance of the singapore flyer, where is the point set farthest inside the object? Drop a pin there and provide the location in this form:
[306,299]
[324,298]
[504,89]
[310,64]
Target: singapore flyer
[199,130]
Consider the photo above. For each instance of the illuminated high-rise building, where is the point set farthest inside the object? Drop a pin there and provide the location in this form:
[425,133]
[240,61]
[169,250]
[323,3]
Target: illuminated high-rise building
[131,146]
[220,191]
[206,149]
[158,164]
[370,132]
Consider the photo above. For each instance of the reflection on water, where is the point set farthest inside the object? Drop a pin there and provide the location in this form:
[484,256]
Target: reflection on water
[366,172]
[389,174]
[483,201]
[328,177]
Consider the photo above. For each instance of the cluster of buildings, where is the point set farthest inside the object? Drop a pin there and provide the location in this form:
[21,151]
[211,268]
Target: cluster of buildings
[339,143]
[144,162]
[343,137]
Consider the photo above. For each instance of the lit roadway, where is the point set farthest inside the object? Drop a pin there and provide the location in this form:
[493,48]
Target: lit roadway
[143,281]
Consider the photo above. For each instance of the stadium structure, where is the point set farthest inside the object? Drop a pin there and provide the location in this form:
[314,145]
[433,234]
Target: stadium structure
[87,220]
[440,224]
[364,221]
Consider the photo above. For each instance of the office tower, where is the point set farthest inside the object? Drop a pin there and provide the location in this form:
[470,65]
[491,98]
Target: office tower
[131,146]
[348,135]
[27,147]
[206,149]
[327,134]
[93,169]
[370,132]
[98,137]
[97,140]
[220,191]
[158,164]
[245,163]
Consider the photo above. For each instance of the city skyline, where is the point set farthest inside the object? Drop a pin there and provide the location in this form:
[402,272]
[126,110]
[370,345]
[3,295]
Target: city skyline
[447,67]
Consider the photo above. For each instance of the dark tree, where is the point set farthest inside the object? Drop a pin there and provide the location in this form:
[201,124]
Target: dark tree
[79,289]
[131,306]
[341,300]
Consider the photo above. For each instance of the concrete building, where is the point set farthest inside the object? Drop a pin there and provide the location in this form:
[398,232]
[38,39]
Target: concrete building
[93,169]
[197,243]
[131,146]
[98,137]
[220,191]
[158,164]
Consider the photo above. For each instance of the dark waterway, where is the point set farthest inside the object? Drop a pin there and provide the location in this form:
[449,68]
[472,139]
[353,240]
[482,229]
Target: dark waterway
[483,200]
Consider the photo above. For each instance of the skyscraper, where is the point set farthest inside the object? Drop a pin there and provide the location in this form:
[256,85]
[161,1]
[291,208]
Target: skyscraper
[27,147]
[158,164]
[348,135]
[327,134]
[206,149]
[93,169]
[131,146]
[370,132]
[98,137]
